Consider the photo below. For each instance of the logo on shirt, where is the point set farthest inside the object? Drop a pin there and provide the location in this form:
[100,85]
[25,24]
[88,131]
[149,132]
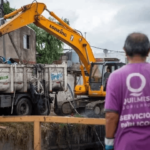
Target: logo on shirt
[137,91]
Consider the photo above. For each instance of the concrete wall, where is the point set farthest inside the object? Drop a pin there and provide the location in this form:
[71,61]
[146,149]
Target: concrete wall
[27,55]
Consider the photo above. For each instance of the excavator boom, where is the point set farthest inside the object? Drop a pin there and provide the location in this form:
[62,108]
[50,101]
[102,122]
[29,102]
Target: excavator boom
[32,14]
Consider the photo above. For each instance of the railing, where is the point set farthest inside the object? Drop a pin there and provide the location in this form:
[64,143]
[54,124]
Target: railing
[38,119]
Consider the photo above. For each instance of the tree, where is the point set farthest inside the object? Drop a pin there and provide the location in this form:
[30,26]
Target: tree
[49,48]
[7,8]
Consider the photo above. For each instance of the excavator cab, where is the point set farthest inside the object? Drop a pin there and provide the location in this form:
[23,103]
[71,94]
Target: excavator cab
[95,79]
[99,76]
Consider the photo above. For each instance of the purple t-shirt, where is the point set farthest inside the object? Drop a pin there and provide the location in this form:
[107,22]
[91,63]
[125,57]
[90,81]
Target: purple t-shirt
[128,93]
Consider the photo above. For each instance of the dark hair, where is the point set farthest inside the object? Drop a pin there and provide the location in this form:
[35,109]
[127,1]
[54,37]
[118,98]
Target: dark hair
[137,43]
[109,68]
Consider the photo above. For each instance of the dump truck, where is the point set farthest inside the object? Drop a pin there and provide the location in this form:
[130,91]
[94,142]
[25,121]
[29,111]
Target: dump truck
[25,89]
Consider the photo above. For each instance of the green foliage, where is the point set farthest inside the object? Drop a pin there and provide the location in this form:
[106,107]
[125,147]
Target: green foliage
[7,8]
[49,48]
[66,20]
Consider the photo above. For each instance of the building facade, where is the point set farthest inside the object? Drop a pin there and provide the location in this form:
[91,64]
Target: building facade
[24,40]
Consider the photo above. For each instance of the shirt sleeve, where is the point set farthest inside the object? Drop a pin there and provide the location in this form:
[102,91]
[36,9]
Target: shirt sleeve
[112,100]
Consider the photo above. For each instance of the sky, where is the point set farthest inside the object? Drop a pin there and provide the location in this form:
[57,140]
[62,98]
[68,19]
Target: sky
[106,22]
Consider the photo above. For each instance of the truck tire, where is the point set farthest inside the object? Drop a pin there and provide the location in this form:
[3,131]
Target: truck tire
[42,109]
[23,107]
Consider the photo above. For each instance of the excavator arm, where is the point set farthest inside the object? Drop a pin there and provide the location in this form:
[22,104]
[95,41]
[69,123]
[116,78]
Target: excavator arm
[32,14]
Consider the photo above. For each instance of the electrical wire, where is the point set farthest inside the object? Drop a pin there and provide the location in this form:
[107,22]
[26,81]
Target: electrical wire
[107,49]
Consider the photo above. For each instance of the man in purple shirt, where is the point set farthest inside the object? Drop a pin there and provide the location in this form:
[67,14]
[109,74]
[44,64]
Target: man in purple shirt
[127,103]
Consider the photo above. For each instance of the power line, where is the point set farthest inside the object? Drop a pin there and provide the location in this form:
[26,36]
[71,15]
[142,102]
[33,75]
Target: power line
[104,49]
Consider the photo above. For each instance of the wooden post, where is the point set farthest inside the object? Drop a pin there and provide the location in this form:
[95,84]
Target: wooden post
[37,136]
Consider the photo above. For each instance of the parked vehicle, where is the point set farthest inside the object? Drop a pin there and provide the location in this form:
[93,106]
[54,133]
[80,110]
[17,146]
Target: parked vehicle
[25,89]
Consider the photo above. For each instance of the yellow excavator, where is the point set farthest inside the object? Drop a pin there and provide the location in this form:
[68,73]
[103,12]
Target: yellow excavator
[92,92]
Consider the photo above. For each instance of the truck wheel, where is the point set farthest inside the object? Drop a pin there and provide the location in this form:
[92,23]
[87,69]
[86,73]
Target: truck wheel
[42,108]
[24,107]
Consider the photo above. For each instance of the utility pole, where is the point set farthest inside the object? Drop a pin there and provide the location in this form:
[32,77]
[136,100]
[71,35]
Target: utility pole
[105,52]
[2,22]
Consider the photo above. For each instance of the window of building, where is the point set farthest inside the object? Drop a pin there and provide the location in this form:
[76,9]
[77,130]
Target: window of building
[26,43]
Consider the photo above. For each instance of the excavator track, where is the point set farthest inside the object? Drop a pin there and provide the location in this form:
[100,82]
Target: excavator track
[83,106]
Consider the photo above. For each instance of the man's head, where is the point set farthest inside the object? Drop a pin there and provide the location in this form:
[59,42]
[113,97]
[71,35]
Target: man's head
[108,69]
[137,44]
